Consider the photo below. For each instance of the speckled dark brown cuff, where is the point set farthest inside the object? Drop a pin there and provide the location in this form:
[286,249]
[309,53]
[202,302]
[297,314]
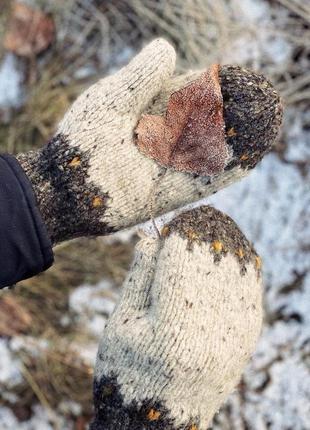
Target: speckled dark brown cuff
[70,205]
[111,413]
[207,224]
[252,114]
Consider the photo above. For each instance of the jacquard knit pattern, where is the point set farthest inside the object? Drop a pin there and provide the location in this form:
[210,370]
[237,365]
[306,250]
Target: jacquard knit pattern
[94,164]
[187,323]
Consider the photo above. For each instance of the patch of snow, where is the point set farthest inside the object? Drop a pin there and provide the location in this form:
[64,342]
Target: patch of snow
[10,83]
[244,50]
[124,236]
[119,59]
[284,404]
[33,346]
[93,299]
[85,72]
[97,324]
[272,207]
[8,420]
[40,420]
[252,10]
[125,55]
[250,48]
[44,419]
[297,132]
[88,353]
[93,305]
[277,49]
[10,374]
[9,397]
[69,407]
[260,40]
[65,321]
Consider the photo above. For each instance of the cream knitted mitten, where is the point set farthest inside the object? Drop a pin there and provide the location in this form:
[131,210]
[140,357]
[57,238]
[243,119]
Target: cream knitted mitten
[187,323]
[91,178]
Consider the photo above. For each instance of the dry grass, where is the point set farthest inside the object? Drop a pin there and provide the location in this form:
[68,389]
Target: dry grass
[45,297]
[58,374]
[54,373]
[47,101]
[50,83]
[203,31]
[52,377]
[199,29]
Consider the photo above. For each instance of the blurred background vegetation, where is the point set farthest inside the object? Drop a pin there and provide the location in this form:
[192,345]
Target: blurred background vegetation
[49,52]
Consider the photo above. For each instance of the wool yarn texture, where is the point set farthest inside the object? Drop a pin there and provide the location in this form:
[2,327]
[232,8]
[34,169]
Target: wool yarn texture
[186,325]
[92,179]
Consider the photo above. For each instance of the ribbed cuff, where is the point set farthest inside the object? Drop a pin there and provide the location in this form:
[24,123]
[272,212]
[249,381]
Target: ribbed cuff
[25,247]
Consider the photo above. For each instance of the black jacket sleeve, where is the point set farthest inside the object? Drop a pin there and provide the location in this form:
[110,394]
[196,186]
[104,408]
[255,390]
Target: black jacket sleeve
[25,247]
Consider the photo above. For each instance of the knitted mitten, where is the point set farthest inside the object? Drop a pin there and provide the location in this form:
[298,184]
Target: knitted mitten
[187,323]
[92,179]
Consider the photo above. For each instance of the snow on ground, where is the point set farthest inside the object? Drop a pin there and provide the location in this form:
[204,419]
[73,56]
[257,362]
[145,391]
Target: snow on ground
[272,207]
[10,374]
[10,83]
[258,42]
[93,305]
[40,420]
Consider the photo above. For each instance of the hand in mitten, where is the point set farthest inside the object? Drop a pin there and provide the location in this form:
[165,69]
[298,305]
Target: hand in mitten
[187,322]
[92,179]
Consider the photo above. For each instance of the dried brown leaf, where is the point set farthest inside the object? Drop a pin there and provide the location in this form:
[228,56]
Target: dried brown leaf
[30,31]
[191,136]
